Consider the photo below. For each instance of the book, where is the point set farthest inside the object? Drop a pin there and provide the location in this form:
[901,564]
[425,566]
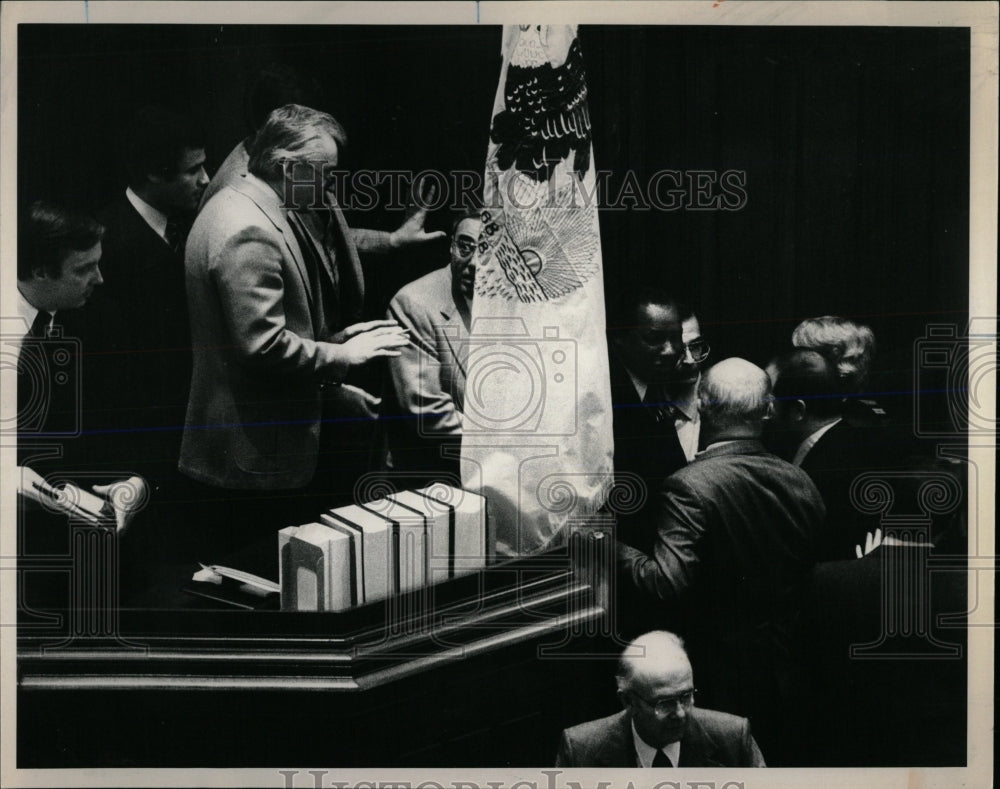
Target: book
[371,535]
[469,544]
[317,569]
[409,543]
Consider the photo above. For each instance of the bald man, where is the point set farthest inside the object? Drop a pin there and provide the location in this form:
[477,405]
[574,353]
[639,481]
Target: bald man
[737,530]
[660,726]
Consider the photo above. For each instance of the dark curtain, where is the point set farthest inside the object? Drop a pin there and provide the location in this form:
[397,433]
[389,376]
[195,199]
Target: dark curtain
[853,143]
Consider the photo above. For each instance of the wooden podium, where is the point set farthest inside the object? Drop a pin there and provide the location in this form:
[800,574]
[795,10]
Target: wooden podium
[515,639]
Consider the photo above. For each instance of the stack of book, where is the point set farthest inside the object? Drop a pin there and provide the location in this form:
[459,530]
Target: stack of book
[363,553]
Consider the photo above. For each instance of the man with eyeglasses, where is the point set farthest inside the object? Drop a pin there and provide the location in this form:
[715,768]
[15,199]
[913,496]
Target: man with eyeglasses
[660,725]
[683,393]
[427,393]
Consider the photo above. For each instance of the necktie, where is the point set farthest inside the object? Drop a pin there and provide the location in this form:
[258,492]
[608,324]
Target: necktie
[662,760]
[40,326]
[173,235]
[656,399]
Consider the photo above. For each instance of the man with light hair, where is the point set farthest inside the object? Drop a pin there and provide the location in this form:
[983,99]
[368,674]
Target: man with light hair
[660,725]
[260,304]
[737,531]
[848,345]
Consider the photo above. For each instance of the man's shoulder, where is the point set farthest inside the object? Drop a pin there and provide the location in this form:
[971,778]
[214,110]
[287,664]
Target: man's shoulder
[118,217]
[596,729]
[721,723]
[427,293]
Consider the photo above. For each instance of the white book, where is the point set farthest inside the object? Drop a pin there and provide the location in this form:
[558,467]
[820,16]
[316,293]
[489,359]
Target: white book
[470,545]
[372,537]
[317,569]
[409,539]
[439,558]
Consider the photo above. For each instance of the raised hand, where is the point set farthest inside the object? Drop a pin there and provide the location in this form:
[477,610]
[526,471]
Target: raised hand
[412,230]
[872,541]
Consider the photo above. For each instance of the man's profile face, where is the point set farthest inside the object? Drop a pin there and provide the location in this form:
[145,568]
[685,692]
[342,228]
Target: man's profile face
[463,252]
[653,346]
[688,369]
[671,686]
[80,276]
[183,191]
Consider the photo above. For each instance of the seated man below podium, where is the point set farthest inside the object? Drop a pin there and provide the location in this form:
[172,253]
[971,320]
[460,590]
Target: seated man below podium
[660,726]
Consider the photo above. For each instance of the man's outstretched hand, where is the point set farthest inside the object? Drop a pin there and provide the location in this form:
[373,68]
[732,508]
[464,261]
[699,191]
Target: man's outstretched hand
[125,497]
[412,230]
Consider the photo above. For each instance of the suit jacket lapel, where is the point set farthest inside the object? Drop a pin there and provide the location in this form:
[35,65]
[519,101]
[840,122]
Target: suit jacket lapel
[618,748]
[698,749]
[455,336]
[267,201]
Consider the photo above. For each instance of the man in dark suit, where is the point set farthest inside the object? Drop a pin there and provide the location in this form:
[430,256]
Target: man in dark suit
[850,347]
[890,669]
[144,287]
[660,726]
[645,352]
[426,399]
[263,346]
[807,428]
[62,381]
[737,531]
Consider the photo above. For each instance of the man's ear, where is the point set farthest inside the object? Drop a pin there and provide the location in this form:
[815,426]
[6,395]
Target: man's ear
[798,410]
[623,698]
[39,272]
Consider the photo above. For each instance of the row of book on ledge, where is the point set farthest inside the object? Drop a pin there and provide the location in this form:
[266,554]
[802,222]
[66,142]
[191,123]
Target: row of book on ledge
[363,553]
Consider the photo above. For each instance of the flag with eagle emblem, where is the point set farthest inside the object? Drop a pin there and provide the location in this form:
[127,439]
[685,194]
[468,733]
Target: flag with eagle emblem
[537,438]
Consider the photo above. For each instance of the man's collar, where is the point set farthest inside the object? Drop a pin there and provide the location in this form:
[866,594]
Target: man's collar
[686,400]
[738,446]
[26,310]
[647,752]
[154,217]
[810,441]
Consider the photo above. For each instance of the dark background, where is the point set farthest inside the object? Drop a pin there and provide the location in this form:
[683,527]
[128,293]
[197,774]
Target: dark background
[854,142]
[855,146]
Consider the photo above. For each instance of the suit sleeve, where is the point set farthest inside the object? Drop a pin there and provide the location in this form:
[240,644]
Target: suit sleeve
[671,571]
[565,756]
[371,242]
[416,374]
[750,753]
[247,273]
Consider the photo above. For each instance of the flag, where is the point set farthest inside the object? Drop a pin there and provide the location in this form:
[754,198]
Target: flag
[537,438]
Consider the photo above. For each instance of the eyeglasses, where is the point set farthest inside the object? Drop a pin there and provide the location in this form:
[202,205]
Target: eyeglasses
[465,246]
[699,349]
[663,707]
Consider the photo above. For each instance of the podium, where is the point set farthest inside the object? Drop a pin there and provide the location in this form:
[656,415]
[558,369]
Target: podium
[481,645]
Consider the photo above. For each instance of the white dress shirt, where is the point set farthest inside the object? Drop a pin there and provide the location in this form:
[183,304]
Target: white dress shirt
[27,311]
[687,420]
[647,752]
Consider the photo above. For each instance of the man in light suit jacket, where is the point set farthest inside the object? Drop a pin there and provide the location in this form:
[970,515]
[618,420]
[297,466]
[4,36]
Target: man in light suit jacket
[737,532]
[660,726]
[426,399]
[259,300]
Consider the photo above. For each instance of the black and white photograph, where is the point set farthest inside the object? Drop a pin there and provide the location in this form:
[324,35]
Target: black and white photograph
[470,394]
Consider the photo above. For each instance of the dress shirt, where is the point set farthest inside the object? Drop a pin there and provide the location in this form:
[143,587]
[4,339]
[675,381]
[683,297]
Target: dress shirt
[647,752]
[153,217]
[810,442]
[27,311]
[687,420]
